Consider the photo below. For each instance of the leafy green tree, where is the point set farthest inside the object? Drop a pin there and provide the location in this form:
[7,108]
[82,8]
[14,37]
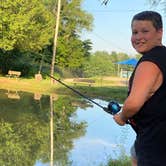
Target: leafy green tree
[16,60]
[71,49]
[101,63]
[138,56]
[25,25]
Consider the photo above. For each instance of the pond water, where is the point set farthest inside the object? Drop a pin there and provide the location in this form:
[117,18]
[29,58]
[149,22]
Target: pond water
[39,130]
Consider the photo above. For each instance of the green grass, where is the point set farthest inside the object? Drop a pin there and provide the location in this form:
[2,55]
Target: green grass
[28,85]
[107,91]
[121,161]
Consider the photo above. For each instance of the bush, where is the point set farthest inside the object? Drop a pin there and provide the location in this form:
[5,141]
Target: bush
[122,161]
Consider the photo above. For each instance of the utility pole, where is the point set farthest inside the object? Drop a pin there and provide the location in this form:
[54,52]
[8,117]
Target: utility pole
[55,38]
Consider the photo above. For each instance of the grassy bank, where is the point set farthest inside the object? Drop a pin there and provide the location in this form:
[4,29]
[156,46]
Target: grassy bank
[124,161]
[27,85]
[103,89]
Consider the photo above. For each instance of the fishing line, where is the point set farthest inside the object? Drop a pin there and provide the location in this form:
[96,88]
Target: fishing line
[113,107]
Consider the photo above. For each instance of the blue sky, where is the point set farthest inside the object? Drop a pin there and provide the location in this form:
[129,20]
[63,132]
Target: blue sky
[111,26]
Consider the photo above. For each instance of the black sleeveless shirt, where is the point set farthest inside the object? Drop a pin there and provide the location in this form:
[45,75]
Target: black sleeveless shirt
[151,119]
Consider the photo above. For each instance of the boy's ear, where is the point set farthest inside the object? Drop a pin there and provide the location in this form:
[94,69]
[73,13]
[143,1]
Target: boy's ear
[160,33]
[160,30]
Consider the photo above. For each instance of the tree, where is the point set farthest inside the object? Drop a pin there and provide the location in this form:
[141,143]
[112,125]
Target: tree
[101,63]
[154,2]
[105,2]
[25,25]
[70,51]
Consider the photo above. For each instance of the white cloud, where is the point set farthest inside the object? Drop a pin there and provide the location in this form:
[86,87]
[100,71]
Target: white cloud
[96,142]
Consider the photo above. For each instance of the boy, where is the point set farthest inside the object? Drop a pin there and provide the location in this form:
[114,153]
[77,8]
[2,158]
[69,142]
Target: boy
[145,106]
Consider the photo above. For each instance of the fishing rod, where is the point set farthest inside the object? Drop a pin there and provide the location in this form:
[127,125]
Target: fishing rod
[112,108]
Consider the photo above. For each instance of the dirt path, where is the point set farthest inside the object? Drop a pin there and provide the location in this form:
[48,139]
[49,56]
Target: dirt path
[112,81]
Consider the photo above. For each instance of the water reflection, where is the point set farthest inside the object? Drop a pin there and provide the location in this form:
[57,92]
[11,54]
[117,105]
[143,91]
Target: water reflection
[25,130]
[13,94]
[37,96]
[51,131]
[103,139]
[39,130]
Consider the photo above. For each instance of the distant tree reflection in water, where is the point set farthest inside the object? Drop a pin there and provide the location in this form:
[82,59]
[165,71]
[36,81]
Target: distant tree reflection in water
[25,129]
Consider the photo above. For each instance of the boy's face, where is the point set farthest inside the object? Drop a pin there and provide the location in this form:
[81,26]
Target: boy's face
[145,36]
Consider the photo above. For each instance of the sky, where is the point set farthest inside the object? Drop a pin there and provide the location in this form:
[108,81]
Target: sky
[112,24]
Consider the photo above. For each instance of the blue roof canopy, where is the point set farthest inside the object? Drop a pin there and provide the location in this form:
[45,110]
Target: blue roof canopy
[131,62]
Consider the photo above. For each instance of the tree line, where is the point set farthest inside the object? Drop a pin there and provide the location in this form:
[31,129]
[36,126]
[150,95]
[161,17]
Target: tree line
[26,40]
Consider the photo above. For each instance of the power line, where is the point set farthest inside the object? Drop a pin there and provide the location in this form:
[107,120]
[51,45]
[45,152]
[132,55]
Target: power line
[108,42]
[113,11]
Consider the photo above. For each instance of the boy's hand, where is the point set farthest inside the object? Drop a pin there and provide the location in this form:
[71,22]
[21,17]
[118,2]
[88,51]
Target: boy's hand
[118,119]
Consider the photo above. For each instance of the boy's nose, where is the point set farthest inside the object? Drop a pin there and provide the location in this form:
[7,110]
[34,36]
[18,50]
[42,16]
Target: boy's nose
[139,36]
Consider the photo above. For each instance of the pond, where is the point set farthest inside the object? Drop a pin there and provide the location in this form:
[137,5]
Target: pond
[38,130]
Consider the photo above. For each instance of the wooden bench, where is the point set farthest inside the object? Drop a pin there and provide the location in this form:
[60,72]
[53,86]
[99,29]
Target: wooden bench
[84,80]
[13,74]
[13,95]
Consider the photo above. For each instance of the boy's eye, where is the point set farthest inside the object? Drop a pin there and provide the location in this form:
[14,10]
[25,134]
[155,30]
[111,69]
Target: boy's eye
[145,31]
[134,32]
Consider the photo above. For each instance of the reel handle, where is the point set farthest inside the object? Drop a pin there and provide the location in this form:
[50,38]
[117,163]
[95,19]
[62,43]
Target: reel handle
[113,108]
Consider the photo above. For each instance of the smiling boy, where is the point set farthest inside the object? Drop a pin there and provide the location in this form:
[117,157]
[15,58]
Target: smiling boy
[145,106]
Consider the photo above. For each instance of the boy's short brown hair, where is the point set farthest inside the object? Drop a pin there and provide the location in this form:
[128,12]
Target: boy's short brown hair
[152,16]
